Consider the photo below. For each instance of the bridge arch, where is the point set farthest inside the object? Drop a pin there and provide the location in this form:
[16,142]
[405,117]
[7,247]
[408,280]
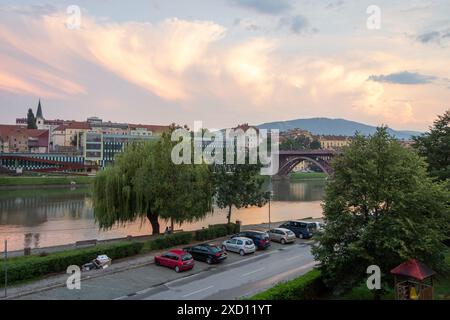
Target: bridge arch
[292,162]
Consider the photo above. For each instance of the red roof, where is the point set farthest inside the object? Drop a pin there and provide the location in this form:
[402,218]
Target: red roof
[36,133]
[413,269]
[153,128]
[78,125]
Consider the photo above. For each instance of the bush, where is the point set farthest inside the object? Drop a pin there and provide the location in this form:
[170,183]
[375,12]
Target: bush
[169,241]
[216,231]
[31,267]
[306,287]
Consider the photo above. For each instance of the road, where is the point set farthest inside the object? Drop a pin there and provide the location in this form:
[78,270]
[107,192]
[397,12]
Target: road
[236,277]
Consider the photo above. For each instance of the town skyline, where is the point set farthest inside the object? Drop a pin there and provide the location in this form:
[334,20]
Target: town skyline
[227,61]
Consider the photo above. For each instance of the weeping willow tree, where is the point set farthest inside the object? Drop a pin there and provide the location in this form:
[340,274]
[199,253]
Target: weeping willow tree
[145,183]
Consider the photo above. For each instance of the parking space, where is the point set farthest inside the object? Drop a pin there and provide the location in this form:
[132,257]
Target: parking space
[140,279]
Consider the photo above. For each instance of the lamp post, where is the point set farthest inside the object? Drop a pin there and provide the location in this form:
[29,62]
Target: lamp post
[6,268]
[270,198]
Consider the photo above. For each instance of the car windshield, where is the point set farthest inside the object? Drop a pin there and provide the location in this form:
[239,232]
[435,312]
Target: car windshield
[312,227]
[290,232]
[186,257]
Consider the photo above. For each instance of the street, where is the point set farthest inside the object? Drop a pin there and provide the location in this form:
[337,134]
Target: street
[236,277]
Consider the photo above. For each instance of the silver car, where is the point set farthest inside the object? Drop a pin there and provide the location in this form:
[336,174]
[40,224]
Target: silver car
[239,245]
[282,235]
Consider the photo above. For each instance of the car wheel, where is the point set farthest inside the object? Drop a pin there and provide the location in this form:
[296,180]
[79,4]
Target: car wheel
[241,252]
[177,269]
[157,262]
[208,260]
[283,241]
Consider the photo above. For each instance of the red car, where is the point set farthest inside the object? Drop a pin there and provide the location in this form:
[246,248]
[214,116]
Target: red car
[178,259]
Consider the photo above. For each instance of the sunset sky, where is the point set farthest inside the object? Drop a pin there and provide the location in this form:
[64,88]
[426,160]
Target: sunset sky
[226,61]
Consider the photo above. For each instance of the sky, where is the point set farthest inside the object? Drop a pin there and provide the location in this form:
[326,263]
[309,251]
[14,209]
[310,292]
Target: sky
[226,62]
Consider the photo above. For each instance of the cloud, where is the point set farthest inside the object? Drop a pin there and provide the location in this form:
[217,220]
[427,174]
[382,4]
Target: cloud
[405,77]
[434,37]
[265,6]
[33,10]
[296,24]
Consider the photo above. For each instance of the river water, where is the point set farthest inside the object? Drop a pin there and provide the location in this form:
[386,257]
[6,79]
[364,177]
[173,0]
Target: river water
[46,217]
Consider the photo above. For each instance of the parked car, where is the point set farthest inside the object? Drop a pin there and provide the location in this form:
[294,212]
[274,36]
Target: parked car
[209,253]
[302,229]
[179,260]
[282,235]
[260,239]
[240,245]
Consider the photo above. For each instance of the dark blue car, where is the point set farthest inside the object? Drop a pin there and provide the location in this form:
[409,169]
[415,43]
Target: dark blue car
[260,239]
[302,229]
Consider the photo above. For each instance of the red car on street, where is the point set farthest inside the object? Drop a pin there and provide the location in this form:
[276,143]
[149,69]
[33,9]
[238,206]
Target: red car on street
[178,259]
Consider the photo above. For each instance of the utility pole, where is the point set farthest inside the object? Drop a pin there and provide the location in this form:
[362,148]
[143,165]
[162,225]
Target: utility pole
[6,268]
[270,198]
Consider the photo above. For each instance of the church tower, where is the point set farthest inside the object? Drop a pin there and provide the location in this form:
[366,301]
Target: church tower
[39,116]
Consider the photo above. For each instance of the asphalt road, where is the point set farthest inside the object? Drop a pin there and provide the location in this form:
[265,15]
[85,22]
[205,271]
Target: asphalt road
[236,277]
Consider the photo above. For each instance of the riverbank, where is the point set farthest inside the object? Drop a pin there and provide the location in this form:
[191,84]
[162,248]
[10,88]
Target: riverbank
[23,182]
[307,176]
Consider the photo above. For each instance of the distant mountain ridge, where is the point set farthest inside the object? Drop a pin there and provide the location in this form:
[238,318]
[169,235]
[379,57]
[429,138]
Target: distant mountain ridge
[340,127]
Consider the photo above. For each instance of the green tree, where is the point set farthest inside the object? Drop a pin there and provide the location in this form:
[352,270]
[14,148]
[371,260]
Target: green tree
[381,209]
[435,147]
[239,185]
[315,144]
[145,183]
[31,120]
[300,142]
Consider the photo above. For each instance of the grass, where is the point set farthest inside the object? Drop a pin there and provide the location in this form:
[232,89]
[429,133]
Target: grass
[441,288]
[307,175]
[442,284]
[306,287]
[41,181]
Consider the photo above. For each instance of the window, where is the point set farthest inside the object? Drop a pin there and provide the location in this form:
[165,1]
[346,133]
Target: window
[186,257]
[233,241]
[239,242]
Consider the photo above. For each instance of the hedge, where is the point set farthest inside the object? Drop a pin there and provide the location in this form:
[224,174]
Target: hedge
[216,231]
[169,241]
[306,287]
[31,267]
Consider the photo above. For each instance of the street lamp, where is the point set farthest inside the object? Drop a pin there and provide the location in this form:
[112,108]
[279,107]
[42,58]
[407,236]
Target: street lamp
[270,198]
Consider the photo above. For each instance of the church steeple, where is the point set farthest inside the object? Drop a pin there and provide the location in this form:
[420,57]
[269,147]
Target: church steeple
[39,111]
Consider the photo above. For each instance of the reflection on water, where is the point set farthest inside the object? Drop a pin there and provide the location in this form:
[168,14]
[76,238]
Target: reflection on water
[46,217]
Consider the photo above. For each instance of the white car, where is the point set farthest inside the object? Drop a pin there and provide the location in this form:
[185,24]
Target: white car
[239,245]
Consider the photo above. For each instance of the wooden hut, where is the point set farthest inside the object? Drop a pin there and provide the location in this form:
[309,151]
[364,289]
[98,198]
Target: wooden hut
[413,281]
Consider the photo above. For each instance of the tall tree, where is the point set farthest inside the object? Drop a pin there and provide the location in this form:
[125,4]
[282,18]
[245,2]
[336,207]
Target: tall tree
[145,183]
[300,142]
[239,185]
[435,147]
[31,120]
[315,144]
[381,209]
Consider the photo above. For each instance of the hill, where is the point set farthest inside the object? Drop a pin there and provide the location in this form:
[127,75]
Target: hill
[327,126]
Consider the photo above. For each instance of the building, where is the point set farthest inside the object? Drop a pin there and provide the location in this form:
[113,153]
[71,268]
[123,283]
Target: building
[334,142]
[38,140]
[14,138]
[93,147]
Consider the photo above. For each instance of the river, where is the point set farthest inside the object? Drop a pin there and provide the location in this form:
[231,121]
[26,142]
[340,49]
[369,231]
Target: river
[46,217]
